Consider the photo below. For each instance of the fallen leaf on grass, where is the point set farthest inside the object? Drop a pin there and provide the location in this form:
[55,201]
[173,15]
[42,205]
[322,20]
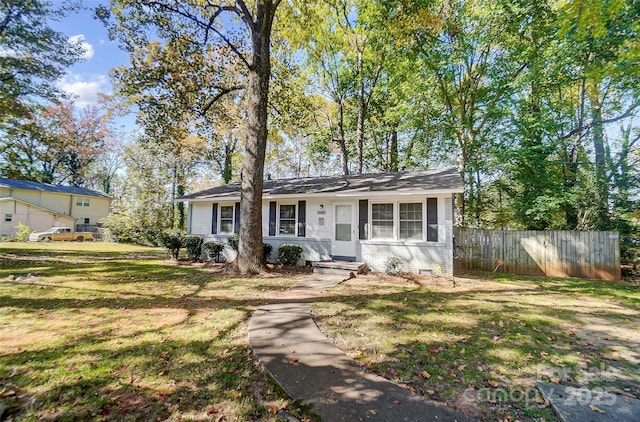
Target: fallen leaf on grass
[596,409]
[372,412]
[424,374]
[73,368]
[212,411]
[571,334]
[396,402]
[432,392]
[492,383]
[292,361]
[435,351]
[496,338]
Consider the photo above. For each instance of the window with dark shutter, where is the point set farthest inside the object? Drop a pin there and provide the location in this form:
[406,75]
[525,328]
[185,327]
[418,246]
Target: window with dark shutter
[302,218]
[236,218]
[272,218]
[432,219]
[214,219]
[363,218]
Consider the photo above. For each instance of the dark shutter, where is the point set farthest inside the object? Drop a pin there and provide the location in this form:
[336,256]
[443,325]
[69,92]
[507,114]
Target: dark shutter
[363,218]
[302,218]
[432,219]
[236,218]
[272,218]
[214,219]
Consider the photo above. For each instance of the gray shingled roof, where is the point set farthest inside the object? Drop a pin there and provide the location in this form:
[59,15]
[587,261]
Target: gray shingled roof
[46,187]
[438,180]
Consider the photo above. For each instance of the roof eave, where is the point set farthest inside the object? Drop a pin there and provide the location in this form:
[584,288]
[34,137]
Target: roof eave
[339,194]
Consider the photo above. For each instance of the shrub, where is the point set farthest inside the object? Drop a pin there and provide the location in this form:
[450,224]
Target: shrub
[233,241]
[213,250]
[193,245]
[171,240]
[289,254]
[22,233]
[393,266]
[267,248]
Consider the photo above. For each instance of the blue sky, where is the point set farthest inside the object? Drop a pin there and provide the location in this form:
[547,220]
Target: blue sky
[86,79]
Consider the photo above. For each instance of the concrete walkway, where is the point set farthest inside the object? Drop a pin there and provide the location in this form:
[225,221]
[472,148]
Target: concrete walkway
[310,368]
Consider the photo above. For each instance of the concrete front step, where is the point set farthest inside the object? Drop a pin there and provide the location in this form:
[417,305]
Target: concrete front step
[341,268]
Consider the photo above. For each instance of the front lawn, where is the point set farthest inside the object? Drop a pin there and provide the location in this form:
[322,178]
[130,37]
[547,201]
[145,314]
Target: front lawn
[99,331]
[480,344]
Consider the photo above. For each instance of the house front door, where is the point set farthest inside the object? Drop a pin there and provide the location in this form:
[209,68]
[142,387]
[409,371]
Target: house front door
[343,244]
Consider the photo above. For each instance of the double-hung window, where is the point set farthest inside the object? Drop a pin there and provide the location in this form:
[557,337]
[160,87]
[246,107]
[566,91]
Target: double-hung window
[82,202]
[405,220]
[287,219]
[411,221]
[382,221]
[226,218]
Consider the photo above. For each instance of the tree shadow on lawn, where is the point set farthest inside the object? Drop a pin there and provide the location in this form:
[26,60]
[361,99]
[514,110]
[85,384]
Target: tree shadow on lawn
[199,365]
[479,337]
[487,344]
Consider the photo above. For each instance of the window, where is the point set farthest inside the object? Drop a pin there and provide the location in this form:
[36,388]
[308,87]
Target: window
[405,220]
[87,221]
[226,219]
[287,219]
[382,220]
[8,217]
[411,221]
[82,202]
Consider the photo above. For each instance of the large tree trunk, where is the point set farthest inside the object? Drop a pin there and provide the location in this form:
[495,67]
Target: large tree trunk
[344,153]
[602,185]
[250,256]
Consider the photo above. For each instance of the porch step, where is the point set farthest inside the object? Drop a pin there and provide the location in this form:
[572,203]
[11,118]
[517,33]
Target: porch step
[342,268]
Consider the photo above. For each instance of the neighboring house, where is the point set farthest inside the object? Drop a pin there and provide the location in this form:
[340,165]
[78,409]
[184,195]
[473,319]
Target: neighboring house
[366,218]
[41,205]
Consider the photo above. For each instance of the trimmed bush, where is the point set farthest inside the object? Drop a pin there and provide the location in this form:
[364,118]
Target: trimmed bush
[171,240]
[193,245]
[393,266]
[267,248]
[289,254]
[233,241]
[213,250]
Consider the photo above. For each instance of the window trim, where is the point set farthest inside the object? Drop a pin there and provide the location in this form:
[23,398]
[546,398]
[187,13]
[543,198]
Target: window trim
[81,201]
[8,217]
[422,221]
[219,222]
[294,233]
[393,220]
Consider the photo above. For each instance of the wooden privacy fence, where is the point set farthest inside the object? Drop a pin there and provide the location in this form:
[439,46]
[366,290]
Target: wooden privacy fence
[552,253]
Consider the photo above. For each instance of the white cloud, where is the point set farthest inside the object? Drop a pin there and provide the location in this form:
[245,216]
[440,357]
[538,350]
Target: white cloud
[85,91]
[88,48]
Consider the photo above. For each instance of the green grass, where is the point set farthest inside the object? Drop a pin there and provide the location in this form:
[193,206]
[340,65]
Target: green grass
[99,331]
[481,345]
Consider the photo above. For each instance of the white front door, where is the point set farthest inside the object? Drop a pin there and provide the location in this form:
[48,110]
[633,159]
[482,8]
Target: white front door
[344,239]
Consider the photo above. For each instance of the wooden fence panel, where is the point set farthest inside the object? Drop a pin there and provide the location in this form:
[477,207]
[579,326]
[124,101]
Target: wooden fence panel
[554,253]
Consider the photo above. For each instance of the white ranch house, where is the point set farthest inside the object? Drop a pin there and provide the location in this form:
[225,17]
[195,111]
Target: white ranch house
[365,218]
[43,205]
